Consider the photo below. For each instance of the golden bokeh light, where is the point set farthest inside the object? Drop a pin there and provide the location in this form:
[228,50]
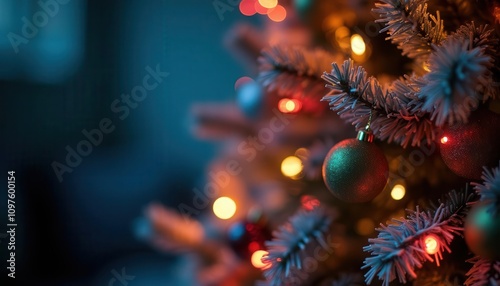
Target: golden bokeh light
[291,166]
[358,45]
[398,192]
[256,259]
[224,208]
[287,105]
[269,4]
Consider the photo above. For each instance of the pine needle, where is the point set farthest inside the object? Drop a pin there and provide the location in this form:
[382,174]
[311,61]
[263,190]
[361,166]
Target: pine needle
[396,116]
[410,26]
[287,247]
[483,272]
[400,247]
[489,190]
[295,72]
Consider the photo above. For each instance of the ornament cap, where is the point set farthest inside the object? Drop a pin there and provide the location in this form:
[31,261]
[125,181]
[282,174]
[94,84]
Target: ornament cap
[365,135]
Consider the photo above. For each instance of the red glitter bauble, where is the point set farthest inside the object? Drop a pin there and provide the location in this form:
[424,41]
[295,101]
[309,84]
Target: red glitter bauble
[466,148]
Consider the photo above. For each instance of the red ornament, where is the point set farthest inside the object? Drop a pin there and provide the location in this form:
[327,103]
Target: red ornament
[466,148]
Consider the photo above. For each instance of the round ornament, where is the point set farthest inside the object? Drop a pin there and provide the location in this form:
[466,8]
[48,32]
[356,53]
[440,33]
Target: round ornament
[250,98]
[466,148]
[482,231]
[356,170]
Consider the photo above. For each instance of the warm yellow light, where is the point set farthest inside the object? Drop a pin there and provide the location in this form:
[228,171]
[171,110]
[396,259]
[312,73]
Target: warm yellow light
[291,166]
[358,44]
[431,244]
[398,192]
[224,208]
[268,3]
[287,105]
[257,259]
[444,140]
[277,14]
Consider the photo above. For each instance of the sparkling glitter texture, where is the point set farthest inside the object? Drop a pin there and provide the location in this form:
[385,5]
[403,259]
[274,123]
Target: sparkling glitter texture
[355,171]
[469,147]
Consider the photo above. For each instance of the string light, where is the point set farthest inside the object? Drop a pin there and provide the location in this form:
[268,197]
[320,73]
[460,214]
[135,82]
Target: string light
[247,7]
[444,140]
[291,166]
[256,259]
[287,105]
[398,192]
[431,244]
[358,45]
[270,4]
[277,14]
[224,208]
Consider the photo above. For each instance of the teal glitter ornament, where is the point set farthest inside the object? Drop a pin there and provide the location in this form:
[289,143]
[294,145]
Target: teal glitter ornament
[356,170]
[482,231]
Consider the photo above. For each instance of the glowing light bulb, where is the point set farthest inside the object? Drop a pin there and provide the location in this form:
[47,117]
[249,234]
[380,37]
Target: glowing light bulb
[431,244]
[224,208]
[398,192]
[358,44]
[444,140]
[291,166]
[287,105]
[268,3]
[277,14]
[256,259]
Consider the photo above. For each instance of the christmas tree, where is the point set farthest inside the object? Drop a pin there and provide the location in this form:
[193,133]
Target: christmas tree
[361,148]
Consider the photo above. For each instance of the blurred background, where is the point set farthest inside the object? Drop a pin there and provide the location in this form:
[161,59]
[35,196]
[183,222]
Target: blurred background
[62,65]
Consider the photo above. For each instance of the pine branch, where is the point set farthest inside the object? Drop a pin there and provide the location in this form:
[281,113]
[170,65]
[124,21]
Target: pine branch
[396,115]
[485,38]
[290,240]
[454,12]
[410,26]
[400,247]
[489,190]
[483,272]
[294,72]
[412,108]
[454,86]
